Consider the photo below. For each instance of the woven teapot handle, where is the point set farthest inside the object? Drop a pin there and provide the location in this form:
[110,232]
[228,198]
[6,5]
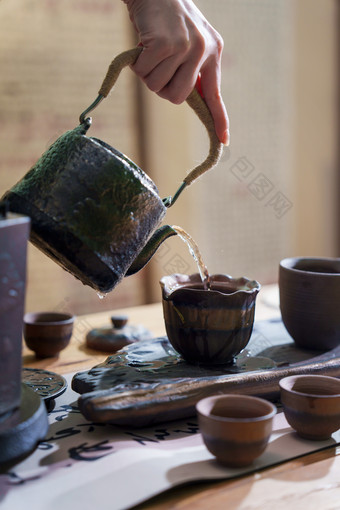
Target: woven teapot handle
[194,100]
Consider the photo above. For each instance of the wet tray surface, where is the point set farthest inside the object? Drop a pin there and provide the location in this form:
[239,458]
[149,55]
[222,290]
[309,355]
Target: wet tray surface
[148,382]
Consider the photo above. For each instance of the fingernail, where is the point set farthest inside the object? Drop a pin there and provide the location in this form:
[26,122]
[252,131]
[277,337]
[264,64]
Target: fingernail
[227,143]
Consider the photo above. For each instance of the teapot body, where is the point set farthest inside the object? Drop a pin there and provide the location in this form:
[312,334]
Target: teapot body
[92,210]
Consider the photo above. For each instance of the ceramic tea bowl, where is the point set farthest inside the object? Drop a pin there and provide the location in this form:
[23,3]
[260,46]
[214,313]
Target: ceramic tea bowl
[47,333]
[309,301]
[208,326]
[311,404]
[235,428]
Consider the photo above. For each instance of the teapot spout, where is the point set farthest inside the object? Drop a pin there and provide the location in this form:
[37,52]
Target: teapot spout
[150,248]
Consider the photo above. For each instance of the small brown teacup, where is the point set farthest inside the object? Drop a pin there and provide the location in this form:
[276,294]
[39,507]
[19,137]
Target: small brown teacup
[47,333]
[310,301]
[311,404]
[235,428]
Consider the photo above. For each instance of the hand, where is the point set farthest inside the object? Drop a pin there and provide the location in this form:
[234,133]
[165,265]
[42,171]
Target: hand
[180,49]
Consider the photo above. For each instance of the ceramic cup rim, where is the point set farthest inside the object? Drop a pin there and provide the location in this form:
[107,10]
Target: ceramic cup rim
[182,280]
[289,264]
[237,398]
[57,318]
[285,384]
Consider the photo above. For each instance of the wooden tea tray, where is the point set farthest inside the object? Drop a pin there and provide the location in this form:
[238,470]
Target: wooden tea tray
[148,382]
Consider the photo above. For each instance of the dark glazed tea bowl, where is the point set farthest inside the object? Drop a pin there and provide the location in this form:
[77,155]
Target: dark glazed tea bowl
[208,326]
[311,404]
[47,333]
[310,301]
[235,428]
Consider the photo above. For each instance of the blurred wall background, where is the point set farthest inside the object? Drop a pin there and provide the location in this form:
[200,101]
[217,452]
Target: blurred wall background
[274,193]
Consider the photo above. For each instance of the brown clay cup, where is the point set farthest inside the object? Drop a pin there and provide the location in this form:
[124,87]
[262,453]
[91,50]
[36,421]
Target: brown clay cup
[310,301]
[311,404]
[235,428]
[47,333]
[208,326]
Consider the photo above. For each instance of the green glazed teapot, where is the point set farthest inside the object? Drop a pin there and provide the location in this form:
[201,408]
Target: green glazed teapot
[93,210]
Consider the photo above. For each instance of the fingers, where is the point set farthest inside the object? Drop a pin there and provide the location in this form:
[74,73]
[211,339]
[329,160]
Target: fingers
[179,43]
[210,86]
[171,66]
[180,85]
[184,80]
[175,84]
[152,57]
[173,79]
[166,76]
[160,47]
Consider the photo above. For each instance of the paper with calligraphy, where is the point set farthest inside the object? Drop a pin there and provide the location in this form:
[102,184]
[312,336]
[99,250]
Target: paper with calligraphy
[90,465]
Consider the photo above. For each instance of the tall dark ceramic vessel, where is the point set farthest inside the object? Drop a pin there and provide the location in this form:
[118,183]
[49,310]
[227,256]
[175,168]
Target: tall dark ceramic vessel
[14,232]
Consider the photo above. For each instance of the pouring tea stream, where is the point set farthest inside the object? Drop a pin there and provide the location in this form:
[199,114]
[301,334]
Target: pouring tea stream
[195,252]
[93,210]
